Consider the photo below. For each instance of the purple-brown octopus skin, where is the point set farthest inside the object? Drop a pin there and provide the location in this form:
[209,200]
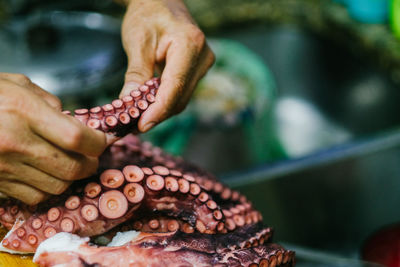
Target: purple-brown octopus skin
[185,216]
[164,249]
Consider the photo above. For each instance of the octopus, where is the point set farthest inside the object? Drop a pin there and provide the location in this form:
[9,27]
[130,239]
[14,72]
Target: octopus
[143,207]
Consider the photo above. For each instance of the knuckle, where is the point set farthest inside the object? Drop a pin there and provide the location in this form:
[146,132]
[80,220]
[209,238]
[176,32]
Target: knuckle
[55,102]
[73,171]
[6,170]
[60,187]
[8,145]
[137,74]
[143,35]
[196,35]
[74,137]
[35,199]
[22,79]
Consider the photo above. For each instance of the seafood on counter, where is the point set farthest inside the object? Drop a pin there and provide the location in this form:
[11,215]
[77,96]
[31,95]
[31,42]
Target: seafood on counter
[144,207]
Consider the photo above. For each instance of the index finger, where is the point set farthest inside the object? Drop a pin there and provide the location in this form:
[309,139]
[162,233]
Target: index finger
[25,82]
[65,131]
[180,62]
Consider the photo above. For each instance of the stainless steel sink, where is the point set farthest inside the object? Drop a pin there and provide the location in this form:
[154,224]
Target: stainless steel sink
[337,116]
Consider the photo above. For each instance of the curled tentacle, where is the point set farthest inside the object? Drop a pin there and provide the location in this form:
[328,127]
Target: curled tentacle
[185,215]
[131,150]
[120,117]
[115,197]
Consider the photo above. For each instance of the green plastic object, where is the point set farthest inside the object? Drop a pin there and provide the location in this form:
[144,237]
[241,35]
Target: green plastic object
[248,73]
[263,143]
[235,58]
[395,17]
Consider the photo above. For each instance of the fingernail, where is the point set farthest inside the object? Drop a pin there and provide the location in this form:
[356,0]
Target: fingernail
[128,87]
[148,126]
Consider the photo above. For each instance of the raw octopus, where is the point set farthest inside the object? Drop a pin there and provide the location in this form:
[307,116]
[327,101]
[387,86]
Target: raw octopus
[175,214]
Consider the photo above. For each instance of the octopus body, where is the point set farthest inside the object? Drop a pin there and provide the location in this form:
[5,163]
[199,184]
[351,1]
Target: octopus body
[182,215]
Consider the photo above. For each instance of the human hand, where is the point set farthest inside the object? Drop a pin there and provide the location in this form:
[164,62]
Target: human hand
[157,33]
[41,149]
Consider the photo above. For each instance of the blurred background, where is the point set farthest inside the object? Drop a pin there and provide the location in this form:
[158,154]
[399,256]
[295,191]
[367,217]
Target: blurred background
[301,111]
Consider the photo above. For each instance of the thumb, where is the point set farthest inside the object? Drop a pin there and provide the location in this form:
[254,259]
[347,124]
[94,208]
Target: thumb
[140,66]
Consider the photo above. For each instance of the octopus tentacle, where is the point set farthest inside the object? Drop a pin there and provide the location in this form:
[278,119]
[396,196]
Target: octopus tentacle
[160,250]
[236,208]
[260,256]
[12,210]
[116,197]
[160,224]
[121,116]
[243,237]
[186,217]
[131,150]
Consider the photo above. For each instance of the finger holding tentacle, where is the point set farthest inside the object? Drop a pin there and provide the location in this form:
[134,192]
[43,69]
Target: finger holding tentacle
[121,116]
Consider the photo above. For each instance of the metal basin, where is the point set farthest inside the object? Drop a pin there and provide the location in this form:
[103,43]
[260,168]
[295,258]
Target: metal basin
[337,117]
